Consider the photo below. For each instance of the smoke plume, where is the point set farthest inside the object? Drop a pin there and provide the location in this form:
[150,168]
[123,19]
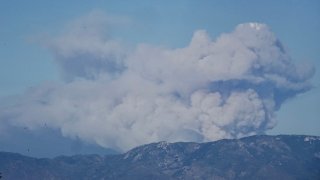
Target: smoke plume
[118,97]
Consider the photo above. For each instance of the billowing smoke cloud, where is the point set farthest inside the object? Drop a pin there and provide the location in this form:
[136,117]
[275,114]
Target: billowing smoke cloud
[211,89]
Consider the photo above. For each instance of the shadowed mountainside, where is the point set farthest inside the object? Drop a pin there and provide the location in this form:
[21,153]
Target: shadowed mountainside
[255,157]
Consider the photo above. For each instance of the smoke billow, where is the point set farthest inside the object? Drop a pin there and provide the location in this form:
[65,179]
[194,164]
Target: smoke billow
[211,89]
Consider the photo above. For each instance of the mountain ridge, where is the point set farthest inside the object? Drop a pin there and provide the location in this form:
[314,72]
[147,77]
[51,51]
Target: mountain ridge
[254,157]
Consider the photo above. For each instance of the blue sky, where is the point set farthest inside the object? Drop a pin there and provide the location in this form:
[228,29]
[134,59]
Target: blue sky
[26,63]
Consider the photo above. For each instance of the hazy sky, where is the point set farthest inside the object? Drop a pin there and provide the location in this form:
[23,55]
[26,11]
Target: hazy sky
[134,41]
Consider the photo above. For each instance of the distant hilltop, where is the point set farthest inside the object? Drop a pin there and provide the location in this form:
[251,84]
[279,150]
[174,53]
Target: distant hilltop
[254,157]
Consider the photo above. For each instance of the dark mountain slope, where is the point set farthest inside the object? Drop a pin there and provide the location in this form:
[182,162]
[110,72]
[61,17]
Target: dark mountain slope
[255,157]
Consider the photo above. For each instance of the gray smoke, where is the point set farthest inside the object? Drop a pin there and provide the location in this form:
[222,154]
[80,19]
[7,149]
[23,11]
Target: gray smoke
[225,88]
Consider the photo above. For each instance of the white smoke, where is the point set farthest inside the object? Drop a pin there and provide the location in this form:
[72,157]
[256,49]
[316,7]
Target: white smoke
[211,89]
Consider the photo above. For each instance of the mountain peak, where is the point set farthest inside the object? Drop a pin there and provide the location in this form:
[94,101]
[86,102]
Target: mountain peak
[254,157]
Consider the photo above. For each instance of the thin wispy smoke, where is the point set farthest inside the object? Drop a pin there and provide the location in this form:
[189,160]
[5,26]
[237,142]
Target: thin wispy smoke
[211,89]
